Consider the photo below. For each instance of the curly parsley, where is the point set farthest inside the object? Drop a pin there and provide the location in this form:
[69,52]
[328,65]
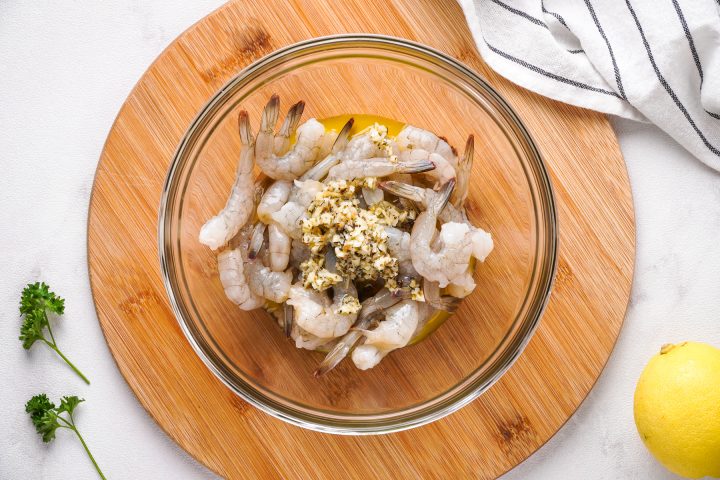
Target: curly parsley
[35,303]
[48,418]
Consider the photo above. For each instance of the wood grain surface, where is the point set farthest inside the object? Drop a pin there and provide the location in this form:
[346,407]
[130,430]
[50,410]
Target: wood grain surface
[483,440]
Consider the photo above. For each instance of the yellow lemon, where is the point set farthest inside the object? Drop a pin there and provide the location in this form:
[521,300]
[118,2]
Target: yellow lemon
[677,408]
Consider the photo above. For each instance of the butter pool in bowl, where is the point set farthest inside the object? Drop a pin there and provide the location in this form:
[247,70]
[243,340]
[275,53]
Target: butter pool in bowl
[509,195]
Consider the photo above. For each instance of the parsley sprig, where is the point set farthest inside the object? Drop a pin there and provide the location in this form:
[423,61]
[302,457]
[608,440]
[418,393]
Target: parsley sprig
[36,301]
[48,418]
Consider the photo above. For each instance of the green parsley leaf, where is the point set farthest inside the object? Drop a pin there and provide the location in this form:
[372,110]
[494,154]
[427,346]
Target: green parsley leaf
[48,418]
[36,301]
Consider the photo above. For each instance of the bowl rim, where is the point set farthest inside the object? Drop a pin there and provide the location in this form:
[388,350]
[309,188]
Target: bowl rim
[465,397]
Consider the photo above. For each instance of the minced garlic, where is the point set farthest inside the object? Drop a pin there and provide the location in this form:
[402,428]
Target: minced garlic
[349,305]
[335,220]
[379,136]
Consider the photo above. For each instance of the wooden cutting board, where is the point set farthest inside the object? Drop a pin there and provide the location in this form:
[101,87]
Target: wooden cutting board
[483,440]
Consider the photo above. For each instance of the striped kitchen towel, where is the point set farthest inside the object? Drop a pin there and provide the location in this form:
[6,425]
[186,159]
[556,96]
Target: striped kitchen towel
[648,60]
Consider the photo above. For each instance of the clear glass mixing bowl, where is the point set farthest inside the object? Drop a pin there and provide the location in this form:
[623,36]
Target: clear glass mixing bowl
[510,196]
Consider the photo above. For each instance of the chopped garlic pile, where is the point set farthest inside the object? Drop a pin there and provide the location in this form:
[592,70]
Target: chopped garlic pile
[336,220]
[379,136]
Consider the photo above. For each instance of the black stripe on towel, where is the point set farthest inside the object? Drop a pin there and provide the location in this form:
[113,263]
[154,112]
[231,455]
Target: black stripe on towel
[556,15]
[618,80]
[693,51]
[536,21]
[550,74]
[665,84]
[522,14]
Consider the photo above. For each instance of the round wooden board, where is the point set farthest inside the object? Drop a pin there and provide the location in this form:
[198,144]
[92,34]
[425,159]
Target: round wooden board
[483,440]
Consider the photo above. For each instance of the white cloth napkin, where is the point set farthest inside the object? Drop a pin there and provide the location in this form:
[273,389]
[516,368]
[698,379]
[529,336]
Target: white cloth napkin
[648,60]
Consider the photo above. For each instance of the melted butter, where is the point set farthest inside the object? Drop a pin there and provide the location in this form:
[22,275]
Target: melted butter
[362,121]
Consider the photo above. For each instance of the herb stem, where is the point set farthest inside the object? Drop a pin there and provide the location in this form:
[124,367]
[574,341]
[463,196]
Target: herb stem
[67,360]
[87,450]
[49,329]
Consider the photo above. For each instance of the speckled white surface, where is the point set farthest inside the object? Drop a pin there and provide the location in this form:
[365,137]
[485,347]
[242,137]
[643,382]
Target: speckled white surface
[65,69]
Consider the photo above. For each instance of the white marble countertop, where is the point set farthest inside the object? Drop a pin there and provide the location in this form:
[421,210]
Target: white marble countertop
[65,69]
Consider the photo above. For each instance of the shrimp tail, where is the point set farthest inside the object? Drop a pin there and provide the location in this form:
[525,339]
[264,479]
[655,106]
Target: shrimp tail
[464,168]
[339,352]
[288,320]
[292,119]
[442,198]
[467,157]
[320,169]
[403,190]
[270,114]
[257,240]
[244,128]
[342,139]
[415,166]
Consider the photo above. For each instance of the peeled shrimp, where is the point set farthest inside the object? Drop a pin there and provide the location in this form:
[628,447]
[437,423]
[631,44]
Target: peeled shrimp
[443,171]
[398,243]
[232,277]
[448,257]
[482,242]
[278,242]
[362,147]
[289,216]
[316,314]
[447,303]
[274,198]
[376,167]
[392,333]
[299,252]
[371,308]
[269,147]
[263,281]
[411,138]
[239,206]
[320,169]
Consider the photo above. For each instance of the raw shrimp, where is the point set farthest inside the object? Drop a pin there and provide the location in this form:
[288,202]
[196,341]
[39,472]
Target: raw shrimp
[320,169]
[372,195]
[279,244]
[398,242]
[447,303]
[392,333]
[313,311]
[289,216]
[443,171]
[263,281]
[267,140]
[268,148]
[299,252]
[448,257]
[376,167]
[371,308]
[411,138]
[316,314]
[278,241]
[423,196]
[482,242]
[237,211]
[274,198]
[232,277]
[362,147]
[464,167]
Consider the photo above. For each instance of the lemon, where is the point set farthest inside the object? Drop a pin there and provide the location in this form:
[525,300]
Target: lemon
[677,408]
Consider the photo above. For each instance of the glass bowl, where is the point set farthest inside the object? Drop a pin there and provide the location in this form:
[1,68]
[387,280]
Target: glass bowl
[510,196]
